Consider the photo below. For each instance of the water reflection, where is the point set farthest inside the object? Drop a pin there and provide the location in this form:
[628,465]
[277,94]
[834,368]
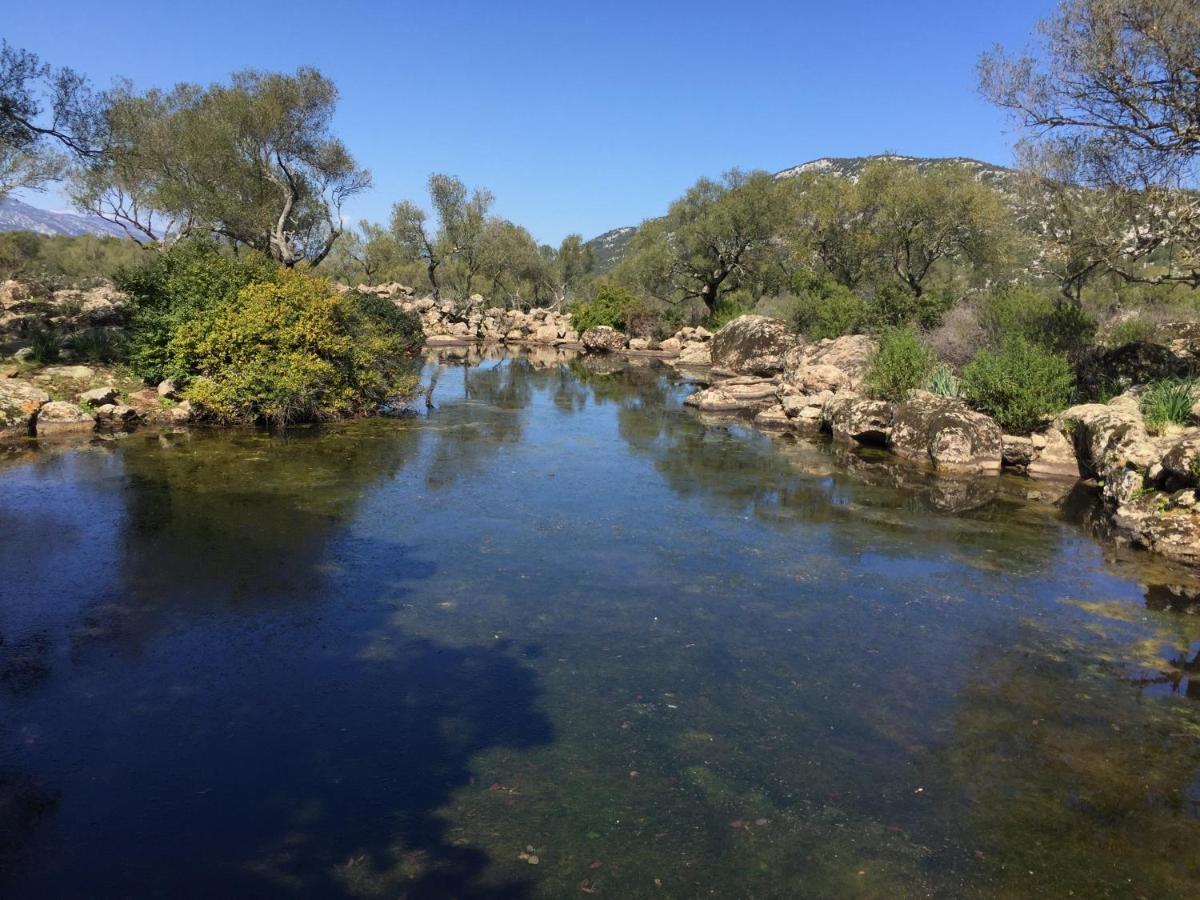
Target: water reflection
[562,617]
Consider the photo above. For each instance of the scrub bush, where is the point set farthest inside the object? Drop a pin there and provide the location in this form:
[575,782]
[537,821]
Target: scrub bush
[826,309]
[174,286]
[901,364]
[292,349]
[1020,384]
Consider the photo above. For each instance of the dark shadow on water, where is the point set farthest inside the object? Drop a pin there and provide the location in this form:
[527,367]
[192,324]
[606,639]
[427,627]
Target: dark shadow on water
[229,709]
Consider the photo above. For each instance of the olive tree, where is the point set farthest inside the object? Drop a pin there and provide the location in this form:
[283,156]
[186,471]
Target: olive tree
[47,116]
[718,236]
[254,161]
[1108,97]
[454,241]
[918,218]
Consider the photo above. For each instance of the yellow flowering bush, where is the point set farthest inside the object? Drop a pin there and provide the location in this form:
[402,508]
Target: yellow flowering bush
[292,349]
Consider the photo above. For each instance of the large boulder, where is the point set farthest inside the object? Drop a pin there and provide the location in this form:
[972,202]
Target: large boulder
[853,418]
[116,417]
[946,432]
[1052,455]
[19,405]
[832,365]
[60,417]
[102,306]
[1182,461]
[100,396]
[603,339]
[694,356]
[1167,525]
[546,334]
[1108,436]
[752,345]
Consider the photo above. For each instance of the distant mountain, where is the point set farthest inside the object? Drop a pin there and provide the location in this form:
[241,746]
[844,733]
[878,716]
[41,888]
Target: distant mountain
[18,216]
[851,167]
[610,248]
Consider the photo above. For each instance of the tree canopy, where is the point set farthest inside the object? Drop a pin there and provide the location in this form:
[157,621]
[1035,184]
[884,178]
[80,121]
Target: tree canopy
[253,161]
[47,115]
[1109,99]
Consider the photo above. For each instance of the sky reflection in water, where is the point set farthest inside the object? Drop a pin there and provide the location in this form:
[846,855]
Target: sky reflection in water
[564,619]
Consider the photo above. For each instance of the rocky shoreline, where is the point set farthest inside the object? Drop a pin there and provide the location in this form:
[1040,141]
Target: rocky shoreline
[754,367]
[1148,482]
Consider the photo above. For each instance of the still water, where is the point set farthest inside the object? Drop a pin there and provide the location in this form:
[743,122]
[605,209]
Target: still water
[562,637]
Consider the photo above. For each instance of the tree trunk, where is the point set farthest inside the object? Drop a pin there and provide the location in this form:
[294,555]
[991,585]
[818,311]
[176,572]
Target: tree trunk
[433,284]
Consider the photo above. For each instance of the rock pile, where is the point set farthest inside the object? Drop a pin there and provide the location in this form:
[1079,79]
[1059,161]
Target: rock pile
[22,313]
[443,322]
[1150,484]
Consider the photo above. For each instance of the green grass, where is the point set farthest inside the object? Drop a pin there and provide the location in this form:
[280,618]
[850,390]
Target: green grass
[1168,402]
[944,382]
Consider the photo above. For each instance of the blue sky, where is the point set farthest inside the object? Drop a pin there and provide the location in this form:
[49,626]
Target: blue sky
[579,117]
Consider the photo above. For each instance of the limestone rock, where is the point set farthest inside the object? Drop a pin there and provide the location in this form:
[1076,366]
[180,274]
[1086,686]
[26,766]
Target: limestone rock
[180,413]
[945,431]
[1108,436]
[837,364]
[858,419]
[60,416]
[603,339]
[19,404]
[115,416]
[1017,451]
[1173,532]
[1053,456]
[67,373]
[1182,461]
[752,345]
[734,394]
[99,396]
[695,356]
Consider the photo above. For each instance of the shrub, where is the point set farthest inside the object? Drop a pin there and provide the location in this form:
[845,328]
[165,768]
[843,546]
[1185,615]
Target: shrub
[1132,330]
[611,306]
[1050,322]
[174,286]
[944,382]
[960,336]
[291,349]
[1168,402]
[1020,384]
[891,306]
[104,345]
[901,364]
[827,309]
[44,345]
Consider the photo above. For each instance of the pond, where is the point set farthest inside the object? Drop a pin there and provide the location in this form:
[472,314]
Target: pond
[563,637]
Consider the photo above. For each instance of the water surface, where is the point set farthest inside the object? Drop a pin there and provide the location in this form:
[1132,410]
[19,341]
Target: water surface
[564,637]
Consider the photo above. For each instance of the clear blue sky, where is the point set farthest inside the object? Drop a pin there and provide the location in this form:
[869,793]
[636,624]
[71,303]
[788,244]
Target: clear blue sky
[579,117]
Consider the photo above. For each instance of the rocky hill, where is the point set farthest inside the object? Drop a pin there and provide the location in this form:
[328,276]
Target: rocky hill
[18,216]
[609,248]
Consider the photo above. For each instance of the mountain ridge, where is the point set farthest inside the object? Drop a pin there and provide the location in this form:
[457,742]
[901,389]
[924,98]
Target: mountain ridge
[16,215]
